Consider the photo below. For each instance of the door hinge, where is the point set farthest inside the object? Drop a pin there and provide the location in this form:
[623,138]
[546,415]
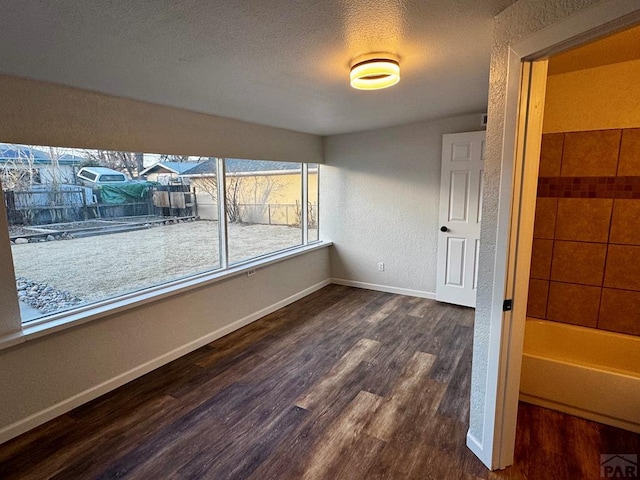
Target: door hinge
[507,305]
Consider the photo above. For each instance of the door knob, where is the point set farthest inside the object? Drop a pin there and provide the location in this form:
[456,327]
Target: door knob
[444,229]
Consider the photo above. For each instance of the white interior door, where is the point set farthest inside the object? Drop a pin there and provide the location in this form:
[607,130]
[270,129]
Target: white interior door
[460,217]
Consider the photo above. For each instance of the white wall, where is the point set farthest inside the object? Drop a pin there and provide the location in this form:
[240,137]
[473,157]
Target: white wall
[514,26]
[9,307]
[379,195]
[40,113]
[45,377]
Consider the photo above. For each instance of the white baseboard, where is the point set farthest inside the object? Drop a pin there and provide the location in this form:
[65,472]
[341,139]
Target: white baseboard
[476,447]
[43,416]
[384,288]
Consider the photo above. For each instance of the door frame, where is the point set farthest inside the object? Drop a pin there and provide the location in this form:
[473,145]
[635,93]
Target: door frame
[515,218]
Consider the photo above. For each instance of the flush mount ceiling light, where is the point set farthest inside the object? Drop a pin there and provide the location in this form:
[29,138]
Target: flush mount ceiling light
[375,71]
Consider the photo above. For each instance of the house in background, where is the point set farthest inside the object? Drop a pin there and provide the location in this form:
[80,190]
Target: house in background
[262,192]
[281,91]
[23,166]
[166,173]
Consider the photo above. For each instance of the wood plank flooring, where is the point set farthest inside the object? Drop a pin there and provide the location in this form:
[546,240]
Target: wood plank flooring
[343,384]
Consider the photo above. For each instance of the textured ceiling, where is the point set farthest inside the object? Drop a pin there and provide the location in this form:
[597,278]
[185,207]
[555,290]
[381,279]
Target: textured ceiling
[274,62]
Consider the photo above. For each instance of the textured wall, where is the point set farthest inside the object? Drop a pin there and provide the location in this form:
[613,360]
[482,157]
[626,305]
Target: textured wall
[379,202]
[40,113]
[514,24]
[43,377]
[41,374]
[9,312]
[592,99]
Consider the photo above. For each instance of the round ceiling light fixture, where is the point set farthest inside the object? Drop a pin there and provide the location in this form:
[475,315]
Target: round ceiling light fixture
[375,71]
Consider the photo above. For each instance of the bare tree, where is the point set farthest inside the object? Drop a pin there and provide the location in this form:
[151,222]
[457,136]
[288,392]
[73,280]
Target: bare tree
[120,161]
[19,173]
[262,187]
[181,158]
[56,174]
[209,185]
[248,197]
[312,217]
[90,162]
[232,193]
[139,162]
[173,158]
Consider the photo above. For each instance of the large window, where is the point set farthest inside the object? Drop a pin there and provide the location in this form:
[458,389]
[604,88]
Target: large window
[76,240]
[263,201]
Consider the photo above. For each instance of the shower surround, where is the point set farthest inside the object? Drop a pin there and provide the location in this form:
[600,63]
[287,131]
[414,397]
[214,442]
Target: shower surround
[585,267]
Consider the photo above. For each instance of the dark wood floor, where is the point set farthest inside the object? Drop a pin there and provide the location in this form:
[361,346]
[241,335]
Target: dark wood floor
[345,383]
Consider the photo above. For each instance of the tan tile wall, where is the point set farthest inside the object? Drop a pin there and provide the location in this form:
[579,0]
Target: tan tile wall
[585,265]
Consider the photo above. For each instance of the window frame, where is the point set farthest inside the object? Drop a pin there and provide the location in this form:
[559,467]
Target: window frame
[317,198]
[76,316]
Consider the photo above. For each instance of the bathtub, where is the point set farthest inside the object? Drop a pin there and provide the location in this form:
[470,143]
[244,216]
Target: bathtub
[585,372]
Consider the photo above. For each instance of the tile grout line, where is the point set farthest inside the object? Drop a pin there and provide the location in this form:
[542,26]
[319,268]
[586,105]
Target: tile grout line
[555,226]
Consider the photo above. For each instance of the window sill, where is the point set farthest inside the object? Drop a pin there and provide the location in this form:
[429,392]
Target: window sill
[62,321]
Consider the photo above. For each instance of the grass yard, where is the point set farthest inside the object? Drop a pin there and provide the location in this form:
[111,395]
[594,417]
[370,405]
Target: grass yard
[105,266]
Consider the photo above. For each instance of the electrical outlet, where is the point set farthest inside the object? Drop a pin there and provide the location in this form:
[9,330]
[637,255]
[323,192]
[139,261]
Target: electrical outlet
[381,266]
[251,273]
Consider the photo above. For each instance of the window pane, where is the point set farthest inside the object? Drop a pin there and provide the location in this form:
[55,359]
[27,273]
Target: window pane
[312,207]
[264,207]
[74,244]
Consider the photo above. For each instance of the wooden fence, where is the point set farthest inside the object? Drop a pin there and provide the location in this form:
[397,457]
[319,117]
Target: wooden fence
[45,206]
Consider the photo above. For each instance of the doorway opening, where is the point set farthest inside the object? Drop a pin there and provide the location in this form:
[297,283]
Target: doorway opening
[574,259]
[517,97]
